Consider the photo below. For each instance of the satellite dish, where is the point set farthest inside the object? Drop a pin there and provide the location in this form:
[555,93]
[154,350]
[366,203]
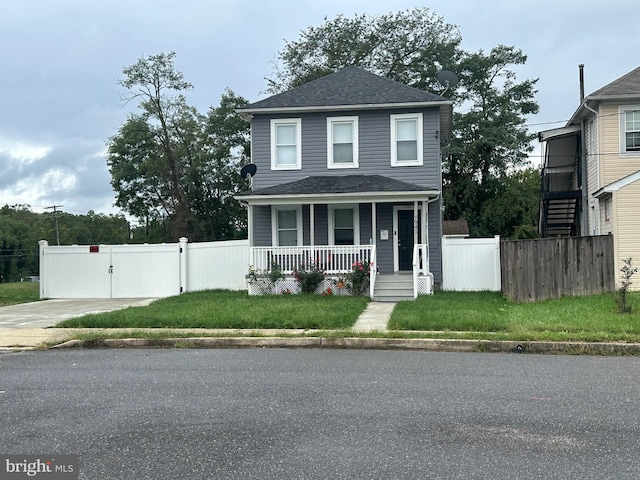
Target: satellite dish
[447,79]
[248,171]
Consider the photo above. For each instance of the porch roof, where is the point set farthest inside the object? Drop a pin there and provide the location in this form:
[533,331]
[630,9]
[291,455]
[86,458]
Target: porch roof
[339,189]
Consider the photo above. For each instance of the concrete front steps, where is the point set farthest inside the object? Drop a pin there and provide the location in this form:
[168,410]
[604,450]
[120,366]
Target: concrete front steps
[394,287]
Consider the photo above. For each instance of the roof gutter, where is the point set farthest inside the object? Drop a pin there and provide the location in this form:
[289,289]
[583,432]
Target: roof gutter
[331,198]
[329,108]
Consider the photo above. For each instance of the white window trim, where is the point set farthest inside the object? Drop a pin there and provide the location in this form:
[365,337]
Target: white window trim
[354,123]
[608,205]
[622,110]
[394,144]
[286,121]
[274,223]
[356,222]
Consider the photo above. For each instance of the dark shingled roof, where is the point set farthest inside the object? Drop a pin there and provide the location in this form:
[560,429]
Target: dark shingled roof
[338,184]
[627,85]
[455,227]
[349,86]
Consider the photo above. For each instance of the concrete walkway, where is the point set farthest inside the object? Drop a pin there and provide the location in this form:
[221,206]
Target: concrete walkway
[375,317]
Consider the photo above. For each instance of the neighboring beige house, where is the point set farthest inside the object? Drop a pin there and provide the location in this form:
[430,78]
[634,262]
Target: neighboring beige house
[591,171]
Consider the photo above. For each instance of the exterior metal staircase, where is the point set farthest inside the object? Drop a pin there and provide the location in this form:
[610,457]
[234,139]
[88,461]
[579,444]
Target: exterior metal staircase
[394,287]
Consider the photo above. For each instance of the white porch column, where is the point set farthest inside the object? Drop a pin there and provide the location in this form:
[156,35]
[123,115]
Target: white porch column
[250,225]
[415,223]
[374,226]
[312,221]
[424,230]
[250,234]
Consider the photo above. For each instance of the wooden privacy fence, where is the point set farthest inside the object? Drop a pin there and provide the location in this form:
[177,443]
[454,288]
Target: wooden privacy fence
[555,267]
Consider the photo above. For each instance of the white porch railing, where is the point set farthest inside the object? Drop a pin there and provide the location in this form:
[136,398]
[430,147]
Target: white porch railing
[373,267]
[334,259]
[420,264]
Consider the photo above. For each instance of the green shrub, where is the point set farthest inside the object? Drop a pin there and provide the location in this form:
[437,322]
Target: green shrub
[309,279]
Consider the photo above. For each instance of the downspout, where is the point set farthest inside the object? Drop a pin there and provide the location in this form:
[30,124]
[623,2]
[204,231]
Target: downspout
[584,187]
[584,223]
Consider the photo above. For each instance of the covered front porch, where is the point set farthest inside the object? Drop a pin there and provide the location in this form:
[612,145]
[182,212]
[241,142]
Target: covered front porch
[395,231]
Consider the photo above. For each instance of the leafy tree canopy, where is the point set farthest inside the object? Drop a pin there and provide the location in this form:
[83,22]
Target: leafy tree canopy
[410,47]
[172,167]
[490,140]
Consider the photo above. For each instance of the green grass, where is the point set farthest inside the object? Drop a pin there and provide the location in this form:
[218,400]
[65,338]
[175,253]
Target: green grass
[227,309]
[456,315]
[490,315]
[19,292]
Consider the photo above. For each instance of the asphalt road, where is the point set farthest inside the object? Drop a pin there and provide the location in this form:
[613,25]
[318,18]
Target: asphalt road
[311,414]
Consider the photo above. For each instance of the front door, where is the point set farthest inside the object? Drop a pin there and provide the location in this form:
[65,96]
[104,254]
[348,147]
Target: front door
[405,239]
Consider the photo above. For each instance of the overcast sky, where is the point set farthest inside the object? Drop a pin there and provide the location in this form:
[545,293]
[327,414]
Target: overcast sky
[60,61]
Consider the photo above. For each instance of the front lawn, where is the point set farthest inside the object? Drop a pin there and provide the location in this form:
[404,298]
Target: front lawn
[592,318]
[228,309]
[19,292]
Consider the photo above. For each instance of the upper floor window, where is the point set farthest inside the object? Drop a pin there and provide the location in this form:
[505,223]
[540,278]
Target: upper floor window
[286,144]
[342,142]
[630,129]
[406,139]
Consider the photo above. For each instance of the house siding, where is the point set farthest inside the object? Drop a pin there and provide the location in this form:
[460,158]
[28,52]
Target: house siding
[435,240]
[262,226]
[614,166]
[374,139]
[384,248]
[627,225]
[593,180]
[366,236]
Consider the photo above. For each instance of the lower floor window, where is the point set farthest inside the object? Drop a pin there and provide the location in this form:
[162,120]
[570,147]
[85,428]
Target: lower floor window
[287,227]
[344,227]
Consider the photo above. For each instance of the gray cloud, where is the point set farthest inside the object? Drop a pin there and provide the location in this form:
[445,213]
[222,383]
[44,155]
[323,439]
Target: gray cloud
[61,61]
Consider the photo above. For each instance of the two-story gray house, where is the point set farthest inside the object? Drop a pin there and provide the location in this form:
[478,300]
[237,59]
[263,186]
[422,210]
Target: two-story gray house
[349,169]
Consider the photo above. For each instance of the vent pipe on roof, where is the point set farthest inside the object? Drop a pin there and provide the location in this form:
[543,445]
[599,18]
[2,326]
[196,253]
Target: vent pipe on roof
[581,68]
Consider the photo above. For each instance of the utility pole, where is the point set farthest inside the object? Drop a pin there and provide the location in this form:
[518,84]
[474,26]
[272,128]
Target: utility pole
[55,218]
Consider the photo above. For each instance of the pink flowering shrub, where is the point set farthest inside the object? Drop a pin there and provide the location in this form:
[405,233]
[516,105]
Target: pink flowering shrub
[358,278]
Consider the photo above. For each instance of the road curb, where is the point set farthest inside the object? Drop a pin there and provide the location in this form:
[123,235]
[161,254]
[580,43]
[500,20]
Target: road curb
[356,343]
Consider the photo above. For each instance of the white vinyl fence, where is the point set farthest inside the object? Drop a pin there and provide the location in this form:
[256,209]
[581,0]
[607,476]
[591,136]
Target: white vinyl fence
[137,271]
[471,264]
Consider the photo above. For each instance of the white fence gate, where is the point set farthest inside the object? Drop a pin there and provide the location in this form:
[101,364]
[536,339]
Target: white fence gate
[471,264]
[137,271]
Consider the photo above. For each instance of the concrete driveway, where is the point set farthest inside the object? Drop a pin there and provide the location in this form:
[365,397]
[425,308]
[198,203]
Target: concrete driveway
[47,313]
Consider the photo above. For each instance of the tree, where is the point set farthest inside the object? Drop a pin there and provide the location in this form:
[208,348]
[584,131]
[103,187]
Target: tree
[172,166]
[410,47]
[512,212]
[490,141]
